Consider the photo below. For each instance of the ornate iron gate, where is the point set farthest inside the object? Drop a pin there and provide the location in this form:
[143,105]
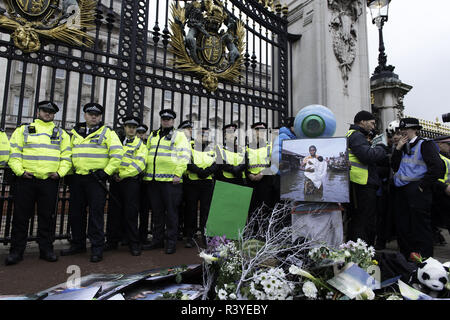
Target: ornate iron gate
[129,69]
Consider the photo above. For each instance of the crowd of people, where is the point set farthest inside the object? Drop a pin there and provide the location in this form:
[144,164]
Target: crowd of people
[397,191]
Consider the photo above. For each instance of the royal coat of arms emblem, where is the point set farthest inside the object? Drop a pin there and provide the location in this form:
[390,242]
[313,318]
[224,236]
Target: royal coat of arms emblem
[208,41]
[63,20]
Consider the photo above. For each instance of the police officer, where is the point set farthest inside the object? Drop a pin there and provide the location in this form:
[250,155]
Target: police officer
[40,157]
[230,157]
[186,128]
[96,154]
[141,131]
[199,185]
[4,149]
[144,202]
[417,165]
[364,180]
[168,156]
[125,187]
[258,156]
[441,188]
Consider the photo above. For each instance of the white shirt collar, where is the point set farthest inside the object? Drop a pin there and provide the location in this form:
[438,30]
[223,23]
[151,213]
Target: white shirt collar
[413,139]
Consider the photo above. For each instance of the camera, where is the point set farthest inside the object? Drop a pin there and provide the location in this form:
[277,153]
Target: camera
[446,117]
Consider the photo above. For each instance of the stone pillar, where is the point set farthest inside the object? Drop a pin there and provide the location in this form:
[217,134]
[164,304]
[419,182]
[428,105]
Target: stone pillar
[330,61]
[388,92]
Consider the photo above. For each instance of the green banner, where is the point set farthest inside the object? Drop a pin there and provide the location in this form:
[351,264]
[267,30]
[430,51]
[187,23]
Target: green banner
[229,210]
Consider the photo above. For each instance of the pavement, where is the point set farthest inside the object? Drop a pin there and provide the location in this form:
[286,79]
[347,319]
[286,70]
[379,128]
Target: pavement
[33,274]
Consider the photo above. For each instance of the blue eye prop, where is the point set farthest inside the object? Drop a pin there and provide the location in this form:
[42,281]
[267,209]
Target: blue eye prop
[315,121]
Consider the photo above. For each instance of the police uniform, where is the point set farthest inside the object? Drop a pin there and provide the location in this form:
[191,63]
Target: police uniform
[38,151]
[144,201]
[125,189]
[416,170]
[182,210]
[199,187]
[96,154]
[364,181]
[230,161]
[258,160]
[441,200]
[168,156]
[4,149]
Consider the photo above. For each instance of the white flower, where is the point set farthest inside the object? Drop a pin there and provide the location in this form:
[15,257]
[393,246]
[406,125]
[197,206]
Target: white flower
[232,296]
[299,271]
[394,297]
[365,293]
[310,290]
[222,294]
[185,297]
[347,253]
[207,257]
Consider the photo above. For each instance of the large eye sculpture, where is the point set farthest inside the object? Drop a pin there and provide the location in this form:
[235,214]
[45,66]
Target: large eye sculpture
[315,121]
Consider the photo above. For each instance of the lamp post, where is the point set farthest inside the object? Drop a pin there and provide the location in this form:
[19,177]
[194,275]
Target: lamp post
[379,10]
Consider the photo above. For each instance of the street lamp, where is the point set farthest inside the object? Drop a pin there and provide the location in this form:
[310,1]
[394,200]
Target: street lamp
[379,10]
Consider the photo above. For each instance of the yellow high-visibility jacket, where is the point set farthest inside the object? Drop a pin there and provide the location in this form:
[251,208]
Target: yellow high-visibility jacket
[259,159]
[4,149]
[40,148]
[134,159]
[168,156]
[101,149]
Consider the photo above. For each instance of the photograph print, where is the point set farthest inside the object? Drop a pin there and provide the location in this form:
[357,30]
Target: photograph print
[315,170]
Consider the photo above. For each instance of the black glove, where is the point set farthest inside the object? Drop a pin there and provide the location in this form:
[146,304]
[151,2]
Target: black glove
[237,170]
[193,168]
[203,174]
[101,175]
[227,167]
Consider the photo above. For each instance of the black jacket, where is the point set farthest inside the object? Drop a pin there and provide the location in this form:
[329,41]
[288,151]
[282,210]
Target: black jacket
[430,154]
[367,155]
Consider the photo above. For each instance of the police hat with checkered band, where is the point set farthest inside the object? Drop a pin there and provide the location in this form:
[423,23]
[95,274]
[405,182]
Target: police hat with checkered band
[410,123]
[49,106]
[132,121]
[93,107]
[167,113]
[142,128]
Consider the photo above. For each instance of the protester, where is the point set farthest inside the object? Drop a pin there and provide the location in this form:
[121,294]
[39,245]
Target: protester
[40,157]
[417,167]
[97,153]
[364,180]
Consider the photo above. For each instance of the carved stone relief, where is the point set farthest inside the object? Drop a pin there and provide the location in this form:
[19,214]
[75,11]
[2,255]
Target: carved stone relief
[344,16]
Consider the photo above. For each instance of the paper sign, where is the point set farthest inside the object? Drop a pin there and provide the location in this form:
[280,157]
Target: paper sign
[229,210]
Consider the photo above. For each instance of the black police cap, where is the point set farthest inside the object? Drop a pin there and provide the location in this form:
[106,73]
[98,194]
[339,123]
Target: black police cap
[185,124]
[169,113]
[407,123]
[131,120]
[142,128]
[260,123]
[231,125]
[93,107]
[48,105]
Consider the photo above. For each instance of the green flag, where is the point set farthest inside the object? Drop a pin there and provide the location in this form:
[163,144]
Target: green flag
[229,210]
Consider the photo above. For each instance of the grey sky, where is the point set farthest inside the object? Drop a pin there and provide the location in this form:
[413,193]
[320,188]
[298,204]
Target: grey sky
[417,41]
[323,146]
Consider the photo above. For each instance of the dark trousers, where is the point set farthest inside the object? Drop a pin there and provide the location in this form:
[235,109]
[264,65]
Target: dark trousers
[29,192]
[123,216]
[165,199]
[196,192]
[385,214]
[262,193]
[362,213]
[413,220]
[144,211]
[86,191]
